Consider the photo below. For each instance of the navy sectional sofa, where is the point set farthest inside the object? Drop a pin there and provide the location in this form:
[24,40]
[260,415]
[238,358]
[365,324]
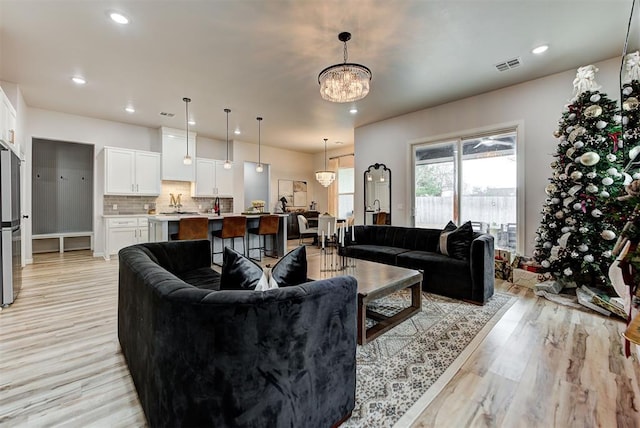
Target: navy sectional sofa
[200,357]
[417,248]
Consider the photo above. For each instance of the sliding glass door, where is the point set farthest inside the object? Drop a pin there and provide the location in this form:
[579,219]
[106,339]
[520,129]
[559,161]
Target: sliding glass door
[472,178]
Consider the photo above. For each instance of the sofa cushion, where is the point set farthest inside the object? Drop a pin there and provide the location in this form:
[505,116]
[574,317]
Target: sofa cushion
[374,253]
[457,243]
[450,227]
[242,273]
[441,274]
[204,277]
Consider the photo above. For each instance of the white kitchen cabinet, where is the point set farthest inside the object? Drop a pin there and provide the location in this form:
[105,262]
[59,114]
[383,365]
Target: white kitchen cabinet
[7,119]
[131,172]
[212,179]
[174,149]
[121,232]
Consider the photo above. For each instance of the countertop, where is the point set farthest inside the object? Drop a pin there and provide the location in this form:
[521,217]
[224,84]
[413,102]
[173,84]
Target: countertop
[172,217]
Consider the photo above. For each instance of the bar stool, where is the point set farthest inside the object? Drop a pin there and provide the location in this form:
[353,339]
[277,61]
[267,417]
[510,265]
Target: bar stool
[268,225]
[232,227]
[192,228]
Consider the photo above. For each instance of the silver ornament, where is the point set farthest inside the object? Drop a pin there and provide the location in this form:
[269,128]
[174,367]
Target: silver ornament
[578,144]
[611,157]
[607,254]
[628,90]
[552,225]
[547,245]
[545,264]
[577,206]
[612,171]
[583,248]
[591,174]
[562,177]
[574,255]
[594,98]
[596,213]
[608,235]
[601,124]
[636,176]
[590,158]
[588,258]
[555,201]
[565,229]
[568,272]
[592,188]
[583,230]
[607,181]
[604,194]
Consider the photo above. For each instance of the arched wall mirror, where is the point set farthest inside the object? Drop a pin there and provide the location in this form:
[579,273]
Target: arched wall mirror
[377,194]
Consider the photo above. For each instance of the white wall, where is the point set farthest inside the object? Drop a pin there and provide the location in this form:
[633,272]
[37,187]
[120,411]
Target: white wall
[536,106]
[284,165]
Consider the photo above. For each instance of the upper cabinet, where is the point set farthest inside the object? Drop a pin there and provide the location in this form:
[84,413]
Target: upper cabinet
[212,179]
[7,119]
[174,149]
[131,172]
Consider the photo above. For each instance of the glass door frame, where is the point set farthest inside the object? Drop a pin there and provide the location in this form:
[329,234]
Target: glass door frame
[457,139]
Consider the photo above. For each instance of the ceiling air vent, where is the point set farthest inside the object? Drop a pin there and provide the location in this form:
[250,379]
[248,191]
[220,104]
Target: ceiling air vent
[164,113]
[509,64]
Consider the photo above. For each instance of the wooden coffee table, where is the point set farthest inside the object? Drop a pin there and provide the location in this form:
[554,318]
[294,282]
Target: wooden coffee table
[375,280]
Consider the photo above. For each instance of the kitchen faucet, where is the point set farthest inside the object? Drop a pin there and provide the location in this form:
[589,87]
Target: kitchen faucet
[374,204]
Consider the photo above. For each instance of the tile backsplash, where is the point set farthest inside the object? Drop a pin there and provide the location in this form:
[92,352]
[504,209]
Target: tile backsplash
[135,204]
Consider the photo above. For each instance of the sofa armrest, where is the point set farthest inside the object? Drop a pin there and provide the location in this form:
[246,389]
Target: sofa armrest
[482,268]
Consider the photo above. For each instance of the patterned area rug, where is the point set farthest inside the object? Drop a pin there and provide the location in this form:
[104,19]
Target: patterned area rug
[408,365]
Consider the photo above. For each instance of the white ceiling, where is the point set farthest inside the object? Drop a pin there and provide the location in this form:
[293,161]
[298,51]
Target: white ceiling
[262,57]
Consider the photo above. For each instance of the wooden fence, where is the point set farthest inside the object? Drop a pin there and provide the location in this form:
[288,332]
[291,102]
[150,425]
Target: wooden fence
[436,211]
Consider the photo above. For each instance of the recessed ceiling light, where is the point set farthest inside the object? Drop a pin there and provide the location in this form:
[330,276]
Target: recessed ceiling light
[540,49]
[237,131]
[129,109]
[119,18]
[78,80]
[353,110]
[192,122]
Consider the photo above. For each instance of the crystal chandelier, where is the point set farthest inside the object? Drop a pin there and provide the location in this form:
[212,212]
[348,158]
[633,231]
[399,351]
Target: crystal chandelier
[346,82]
[325,177]
[187,159]
[259,167]
[227,163]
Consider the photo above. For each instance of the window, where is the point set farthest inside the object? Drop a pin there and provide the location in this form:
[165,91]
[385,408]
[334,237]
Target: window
[470,178]
[341,191]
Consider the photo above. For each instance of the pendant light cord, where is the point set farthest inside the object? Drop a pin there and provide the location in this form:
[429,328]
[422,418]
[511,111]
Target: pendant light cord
[325,148]
[259,140]
[186,104]
[227,111]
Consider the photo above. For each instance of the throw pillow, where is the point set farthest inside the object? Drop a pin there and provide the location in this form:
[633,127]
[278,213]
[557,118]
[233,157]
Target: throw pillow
[241,273]
[450,227]
[457,243]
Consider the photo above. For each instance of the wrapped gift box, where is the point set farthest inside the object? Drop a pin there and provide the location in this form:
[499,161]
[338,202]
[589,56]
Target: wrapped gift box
[525,278]
[503,270]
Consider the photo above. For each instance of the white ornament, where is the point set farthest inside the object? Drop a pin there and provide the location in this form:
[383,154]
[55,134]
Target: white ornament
[612,171]
[588,258]
[607,254]
[611,157]
[565,229]
[569,129]
[578,159]
[594,98]
[590,158]
[576,175]
[608,235]
[627,179]
[617,118]
[583,230]
[552,226]
[555,201]
[545,264]
[583,248]
[577,206]
[607,181]
[547,245]
[625,120]
[628,90]
[571,116]
[596,213]
[636,176]
[604,194]
[568,272]
[578,144]
[601,124]
[592,188]
[591,174]
[574,255]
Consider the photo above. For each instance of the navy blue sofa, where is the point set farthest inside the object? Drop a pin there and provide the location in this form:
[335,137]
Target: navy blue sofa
[200,357]
[416,248]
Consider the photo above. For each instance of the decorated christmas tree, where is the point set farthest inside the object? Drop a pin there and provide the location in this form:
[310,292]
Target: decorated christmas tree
[575,238]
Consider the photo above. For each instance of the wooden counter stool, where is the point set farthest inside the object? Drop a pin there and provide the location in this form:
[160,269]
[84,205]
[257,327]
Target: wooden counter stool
[268,225]
[232,228]
[192,228]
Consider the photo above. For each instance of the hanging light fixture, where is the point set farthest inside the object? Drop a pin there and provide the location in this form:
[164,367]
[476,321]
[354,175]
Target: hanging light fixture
[259,167]
[325,177]
[227,163]
[187,159]
[346,82]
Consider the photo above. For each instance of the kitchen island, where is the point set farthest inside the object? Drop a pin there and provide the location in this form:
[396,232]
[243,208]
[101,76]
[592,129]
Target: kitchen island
[162,226]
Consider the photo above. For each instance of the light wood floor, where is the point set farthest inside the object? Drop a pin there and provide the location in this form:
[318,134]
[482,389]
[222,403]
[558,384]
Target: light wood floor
[542,365]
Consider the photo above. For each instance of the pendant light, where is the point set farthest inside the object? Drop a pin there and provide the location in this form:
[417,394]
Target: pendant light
[187,159]
[227,163]
[325,177]
[346,82]
[259,167]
